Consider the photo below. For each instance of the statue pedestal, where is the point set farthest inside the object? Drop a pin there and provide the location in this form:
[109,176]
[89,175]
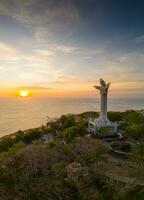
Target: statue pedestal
[94,125]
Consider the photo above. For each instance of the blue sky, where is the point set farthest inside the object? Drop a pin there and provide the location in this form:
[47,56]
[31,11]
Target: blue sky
[65,46]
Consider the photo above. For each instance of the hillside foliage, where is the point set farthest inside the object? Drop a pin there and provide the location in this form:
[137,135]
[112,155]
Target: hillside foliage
[72,165]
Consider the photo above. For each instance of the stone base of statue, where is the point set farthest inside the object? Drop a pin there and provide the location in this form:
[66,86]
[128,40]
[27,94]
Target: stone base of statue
[94,125]
[102,121]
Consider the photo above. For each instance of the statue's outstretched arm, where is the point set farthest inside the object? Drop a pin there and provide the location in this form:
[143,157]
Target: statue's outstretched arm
[97,87]
[108,85]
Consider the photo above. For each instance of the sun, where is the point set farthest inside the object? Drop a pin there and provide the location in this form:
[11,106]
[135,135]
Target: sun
[24,93]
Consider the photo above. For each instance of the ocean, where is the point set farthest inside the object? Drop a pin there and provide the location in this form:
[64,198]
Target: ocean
[23,113]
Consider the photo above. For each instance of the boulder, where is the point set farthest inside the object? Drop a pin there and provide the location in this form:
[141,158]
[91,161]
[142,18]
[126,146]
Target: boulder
[121,146]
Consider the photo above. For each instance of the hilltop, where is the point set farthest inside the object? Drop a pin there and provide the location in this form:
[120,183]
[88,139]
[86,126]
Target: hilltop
[61,160]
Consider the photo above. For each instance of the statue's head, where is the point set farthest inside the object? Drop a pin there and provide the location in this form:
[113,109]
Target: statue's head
[103,88]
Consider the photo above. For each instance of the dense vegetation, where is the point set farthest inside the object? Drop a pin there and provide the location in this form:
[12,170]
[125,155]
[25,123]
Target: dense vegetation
[72,165]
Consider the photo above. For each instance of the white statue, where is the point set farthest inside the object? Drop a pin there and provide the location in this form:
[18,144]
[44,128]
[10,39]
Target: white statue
[103,120]
[103,103]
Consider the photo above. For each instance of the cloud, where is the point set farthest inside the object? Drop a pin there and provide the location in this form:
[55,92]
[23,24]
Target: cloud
[66,78]
[69,49]
[47,18]
[34,88]
[139,39]
[65,48]
[90,53]
[10,55]
[54,49]
[133,59]
[7,48]
[19,67]
[44,52]
[7,53]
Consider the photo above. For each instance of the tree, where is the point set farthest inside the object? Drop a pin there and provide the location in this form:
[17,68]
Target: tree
[6,143]
[73,132]
[81,179]
[138,153]
[88,150]
[19,136]
[135,132]
[30,135]
[115,116]
[89,114]
[67,121]
[133,117]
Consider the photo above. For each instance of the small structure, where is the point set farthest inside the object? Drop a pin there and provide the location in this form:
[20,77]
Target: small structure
[46,138]
[102,121]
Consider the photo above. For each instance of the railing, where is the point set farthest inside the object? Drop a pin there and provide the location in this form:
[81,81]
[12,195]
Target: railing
[124,179]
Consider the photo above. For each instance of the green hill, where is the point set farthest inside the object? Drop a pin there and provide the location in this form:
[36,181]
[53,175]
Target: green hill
[60,161]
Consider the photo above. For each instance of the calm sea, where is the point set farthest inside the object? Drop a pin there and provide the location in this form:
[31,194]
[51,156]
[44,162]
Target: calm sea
[24,113]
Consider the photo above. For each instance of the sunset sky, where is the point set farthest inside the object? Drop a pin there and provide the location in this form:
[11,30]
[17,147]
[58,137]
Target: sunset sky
[63,47]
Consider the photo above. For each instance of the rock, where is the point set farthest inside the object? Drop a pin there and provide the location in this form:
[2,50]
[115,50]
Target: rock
[46,138]
[121,146]
[109,140]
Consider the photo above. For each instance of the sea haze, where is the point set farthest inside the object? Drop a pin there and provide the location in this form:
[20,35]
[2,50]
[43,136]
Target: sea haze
[24,113]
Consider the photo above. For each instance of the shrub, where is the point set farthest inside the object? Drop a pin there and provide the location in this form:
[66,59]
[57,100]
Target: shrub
[6,143]
[30,135]
[58,168]
[133,117]
[73,132]
[11,151]
[67,121]
[19,136]
[115,116]
[88,150]
[103,131]
[138,153]
[123,125]
[135,132]
[89,114]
